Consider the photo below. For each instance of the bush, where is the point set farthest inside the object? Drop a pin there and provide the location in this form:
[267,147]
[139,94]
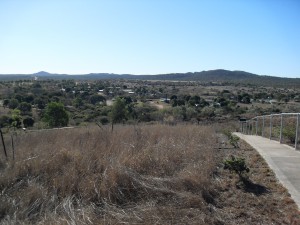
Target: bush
[28,122]
[56,115]
[290,133]
[233,140]
[238,165]
[104,120]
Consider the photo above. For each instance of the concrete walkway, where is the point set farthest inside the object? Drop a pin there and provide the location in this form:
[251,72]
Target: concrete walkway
[282,159]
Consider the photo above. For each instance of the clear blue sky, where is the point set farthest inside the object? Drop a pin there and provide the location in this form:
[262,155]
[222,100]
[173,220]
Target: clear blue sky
[150,36]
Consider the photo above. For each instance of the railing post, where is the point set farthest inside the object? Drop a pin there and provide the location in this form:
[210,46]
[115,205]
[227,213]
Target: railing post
[249,127]
[271,116]
[3,143]
[297,132]
[256,126]
[281,126]
[263,127]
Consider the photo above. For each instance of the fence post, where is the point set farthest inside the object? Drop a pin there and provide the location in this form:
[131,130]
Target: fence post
[297,132]
[263,127]
[271,116]
[281,126]
[249,127]
[3,143]
[256,126]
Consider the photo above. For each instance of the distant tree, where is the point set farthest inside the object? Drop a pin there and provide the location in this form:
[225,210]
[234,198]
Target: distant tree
[94,99]
[5,102]
[207,111]
[56,115]
[78,102]
[16,119]
[203,103]
[28,122]
[40,103]
[13,103]
[19,97]
[246,100]
[68,89]
[29,98]
[118,111]
[173,97]
[24,107]
[4,121]
[128,100]
[194,100]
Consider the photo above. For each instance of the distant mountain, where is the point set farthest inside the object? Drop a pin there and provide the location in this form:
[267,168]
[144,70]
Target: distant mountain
[43,73]
[219,75]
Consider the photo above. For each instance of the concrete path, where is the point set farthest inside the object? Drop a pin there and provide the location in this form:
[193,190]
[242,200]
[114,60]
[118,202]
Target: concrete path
[282,159]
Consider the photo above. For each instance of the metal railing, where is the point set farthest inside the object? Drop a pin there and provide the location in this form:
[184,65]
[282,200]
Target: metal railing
[272,125]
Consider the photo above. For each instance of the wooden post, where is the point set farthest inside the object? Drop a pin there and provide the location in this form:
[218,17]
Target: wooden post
[4,149]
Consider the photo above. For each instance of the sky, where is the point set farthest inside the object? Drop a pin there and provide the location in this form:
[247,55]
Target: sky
[150,36]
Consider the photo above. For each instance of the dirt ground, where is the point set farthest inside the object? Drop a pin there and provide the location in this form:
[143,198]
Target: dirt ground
[260,200]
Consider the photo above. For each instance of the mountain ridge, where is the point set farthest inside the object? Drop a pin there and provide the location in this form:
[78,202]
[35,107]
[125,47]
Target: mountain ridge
[218,75]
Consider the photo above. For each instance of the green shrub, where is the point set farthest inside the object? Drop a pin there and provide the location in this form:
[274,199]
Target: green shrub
[233,140]
[290,133]
[238,165]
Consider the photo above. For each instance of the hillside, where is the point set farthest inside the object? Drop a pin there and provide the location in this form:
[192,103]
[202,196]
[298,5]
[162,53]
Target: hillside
[93,175]
[219,75]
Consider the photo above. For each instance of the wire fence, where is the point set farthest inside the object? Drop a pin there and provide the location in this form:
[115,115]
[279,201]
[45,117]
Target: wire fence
[283,127]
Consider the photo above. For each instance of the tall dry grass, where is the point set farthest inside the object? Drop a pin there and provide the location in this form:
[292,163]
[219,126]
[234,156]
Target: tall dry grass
[135,174]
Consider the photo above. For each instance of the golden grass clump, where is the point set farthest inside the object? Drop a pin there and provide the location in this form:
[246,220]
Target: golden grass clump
[135,174]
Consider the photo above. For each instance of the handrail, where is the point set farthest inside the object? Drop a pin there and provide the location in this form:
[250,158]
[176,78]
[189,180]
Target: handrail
[247,126]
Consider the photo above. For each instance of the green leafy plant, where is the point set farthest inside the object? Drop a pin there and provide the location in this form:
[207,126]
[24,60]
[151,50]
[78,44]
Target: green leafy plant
[56,115]
[290,133]
[237,165]
[233,140]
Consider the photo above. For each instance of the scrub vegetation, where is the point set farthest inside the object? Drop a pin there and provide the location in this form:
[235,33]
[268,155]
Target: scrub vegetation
[137,174]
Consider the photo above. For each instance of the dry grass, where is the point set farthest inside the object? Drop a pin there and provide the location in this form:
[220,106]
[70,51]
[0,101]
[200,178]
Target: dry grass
[91,175]
[151,174]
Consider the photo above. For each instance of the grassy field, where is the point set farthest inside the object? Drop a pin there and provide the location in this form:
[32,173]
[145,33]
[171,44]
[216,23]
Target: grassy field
[154,174]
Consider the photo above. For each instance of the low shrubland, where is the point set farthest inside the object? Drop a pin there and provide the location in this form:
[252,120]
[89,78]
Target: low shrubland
[134,174]
[145,174]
